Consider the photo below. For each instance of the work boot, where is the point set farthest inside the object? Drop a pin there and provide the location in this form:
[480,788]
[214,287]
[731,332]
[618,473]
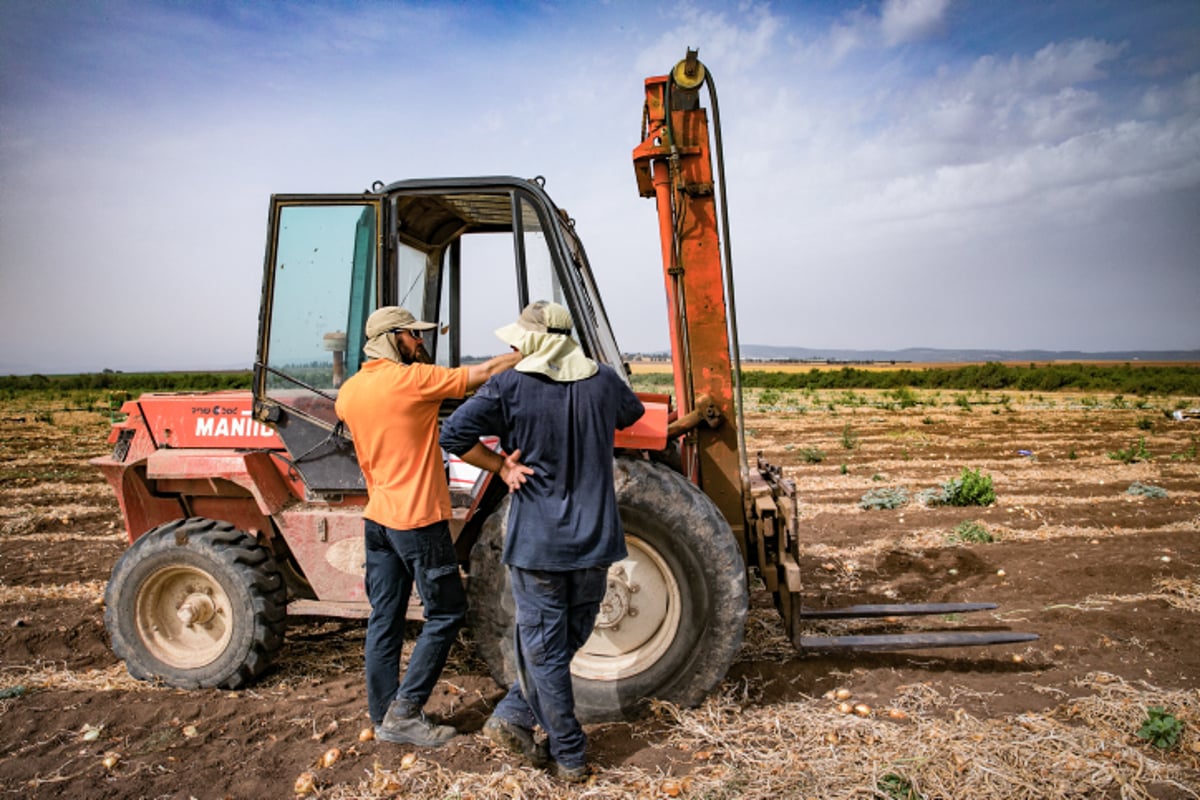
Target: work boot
[404,723]
[578,774]
[517,740]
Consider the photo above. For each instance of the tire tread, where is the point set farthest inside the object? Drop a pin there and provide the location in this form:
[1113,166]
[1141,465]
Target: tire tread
[238,551]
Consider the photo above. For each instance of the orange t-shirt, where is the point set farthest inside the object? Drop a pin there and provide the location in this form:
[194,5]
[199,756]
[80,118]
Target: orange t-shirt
[392,412]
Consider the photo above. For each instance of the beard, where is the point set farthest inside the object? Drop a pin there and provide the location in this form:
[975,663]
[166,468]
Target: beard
[421,356]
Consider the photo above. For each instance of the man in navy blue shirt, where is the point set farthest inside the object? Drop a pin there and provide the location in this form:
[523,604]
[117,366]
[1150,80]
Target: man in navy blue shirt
[560,410]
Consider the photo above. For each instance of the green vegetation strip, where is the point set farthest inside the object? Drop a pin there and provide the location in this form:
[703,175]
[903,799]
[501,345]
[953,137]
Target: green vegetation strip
[1122,378]
[1115,378]
[132,382]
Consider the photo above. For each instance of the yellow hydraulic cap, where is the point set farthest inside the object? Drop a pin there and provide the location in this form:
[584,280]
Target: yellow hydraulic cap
[689,73]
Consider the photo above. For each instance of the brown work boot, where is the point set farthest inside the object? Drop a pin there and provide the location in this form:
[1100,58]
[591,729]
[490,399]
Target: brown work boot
[578,774]
[517,740]
[406,724]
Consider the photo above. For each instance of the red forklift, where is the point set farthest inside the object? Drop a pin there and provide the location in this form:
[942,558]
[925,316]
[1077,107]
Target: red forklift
[243,509]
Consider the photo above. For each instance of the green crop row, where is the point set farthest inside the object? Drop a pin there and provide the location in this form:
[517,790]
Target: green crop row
[1124,378]
[1108,378]
[131,382]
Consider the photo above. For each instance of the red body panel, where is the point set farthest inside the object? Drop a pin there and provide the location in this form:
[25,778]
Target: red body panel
[219,419]
[649,432]
[228,473]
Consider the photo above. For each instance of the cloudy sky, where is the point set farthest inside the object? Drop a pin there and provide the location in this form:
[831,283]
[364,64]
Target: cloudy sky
[905,173]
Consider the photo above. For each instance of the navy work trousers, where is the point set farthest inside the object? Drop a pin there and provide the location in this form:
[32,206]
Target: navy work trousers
[396,559]
[555,615]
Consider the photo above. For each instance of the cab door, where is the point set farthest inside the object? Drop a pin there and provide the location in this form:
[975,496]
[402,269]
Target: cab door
[319,285]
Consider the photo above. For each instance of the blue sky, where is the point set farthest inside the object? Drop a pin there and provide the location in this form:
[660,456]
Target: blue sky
[907,173]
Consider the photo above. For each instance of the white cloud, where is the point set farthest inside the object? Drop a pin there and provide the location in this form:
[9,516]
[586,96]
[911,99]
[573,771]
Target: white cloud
[964,159]
[895,192]
[738,42]
[1012,100]
[854,33]
[911,20]
[899,22]
[1084,172]
[1183,98]
[1052,67]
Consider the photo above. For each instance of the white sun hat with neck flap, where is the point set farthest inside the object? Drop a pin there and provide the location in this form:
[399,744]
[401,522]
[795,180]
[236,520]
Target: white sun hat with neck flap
[542,334]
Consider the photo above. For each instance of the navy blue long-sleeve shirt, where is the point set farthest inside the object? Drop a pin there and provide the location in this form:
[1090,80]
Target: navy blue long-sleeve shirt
[565,516]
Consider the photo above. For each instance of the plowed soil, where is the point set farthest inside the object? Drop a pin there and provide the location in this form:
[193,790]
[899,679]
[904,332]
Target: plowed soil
[1108,579]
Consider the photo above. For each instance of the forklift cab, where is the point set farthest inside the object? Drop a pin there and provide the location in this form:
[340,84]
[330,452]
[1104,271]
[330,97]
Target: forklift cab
[466,254]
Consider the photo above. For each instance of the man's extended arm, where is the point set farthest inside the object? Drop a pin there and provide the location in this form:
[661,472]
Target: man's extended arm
[477,374]
[479,416]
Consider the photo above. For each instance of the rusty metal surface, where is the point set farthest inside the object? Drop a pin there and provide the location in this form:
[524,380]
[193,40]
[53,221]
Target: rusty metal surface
[894,610]
[220,473]
[322,608]
[328,544]
[141,508]
[773,510]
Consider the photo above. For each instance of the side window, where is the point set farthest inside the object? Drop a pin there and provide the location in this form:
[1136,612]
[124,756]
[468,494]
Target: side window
[410,279]
[539,266]
[486,290]
[487,299]
[323,288]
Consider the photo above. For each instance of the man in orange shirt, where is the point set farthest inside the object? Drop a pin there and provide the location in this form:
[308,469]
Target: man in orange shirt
[391,408]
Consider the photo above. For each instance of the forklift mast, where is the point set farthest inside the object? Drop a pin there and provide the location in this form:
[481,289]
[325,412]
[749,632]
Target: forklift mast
[674,165]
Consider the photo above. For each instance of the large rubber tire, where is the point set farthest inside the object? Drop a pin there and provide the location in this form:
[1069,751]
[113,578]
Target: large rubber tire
[685,580]
[214,574]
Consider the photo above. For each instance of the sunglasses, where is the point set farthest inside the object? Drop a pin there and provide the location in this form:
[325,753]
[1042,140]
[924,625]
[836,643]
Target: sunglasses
[418,335]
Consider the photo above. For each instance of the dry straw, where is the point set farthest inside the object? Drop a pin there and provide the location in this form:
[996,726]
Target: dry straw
[92,591]
[55,677]
[1085,748]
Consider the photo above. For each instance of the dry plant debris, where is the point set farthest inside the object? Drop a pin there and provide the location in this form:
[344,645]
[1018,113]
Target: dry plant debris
[1085,748]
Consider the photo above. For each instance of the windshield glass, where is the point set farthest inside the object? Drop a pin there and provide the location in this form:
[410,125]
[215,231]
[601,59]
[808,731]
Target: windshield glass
[322,289]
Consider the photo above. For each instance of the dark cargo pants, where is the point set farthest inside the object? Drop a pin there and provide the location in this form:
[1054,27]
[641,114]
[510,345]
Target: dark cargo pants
[396,559]
[555,615]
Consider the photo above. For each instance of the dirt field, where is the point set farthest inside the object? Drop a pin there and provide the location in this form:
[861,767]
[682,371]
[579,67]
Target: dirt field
[1108,579]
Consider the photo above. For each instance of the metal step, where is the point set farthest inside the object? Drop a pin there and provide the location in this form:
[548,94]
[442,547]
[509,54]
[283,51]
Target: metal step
[894,610]
[913,641]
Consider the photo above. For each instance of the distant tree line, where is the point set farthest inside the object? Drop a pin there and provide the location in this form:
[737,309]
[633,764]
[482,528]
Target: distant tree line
[1125,378]
[1110,378]
[132,382]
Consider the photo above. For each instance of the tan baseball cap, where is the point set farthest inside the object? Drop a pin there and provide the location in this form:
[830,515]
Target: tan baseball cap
[389,318]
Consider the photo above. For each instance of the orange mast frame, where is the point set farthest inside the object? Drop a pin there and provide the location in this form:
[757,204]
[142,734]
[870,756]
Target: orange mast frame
[673,164]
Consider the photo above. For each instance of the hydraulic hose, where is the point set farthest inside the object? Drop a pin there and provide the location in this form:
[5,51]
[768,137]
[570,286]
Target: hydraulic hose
[734,344]
[727,255]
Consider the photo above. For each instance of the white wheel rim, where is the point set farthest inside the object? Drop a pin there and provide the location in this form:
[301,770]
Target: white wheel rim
[638,619]
[184,617]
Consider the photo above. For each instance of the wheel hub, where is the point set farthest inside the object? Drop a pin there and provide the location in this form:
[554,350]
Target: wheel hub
[618,600]
[197,609]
